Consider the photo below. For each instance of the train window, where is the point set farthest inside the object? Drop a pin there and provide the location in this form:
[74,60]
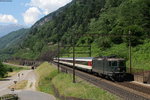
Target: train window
[109,63]
[114,63]
[121,63]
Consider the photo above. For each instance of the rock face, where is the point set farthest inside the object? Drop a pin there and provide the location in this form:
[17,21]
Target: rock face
[50,16]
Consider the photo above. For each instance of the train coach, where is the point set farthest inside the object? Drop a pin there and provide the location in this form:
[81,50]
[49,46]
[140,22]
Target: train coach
[108,67]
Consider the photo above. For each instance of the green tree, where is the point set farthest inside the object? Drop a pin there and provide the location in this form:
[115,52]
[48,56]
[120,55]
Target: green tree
[3,70]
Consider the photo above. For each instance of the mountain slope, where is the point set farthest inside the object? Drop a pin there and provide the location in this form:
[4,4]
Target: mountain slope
[10,43]
[50,16]
[13,39]
[74,16]
[5,29]
[91,16]
[81,17]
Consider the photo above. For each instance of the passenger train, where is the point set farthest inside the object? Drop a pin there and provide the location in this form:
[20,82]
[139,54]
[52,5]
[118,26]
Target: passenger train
[109,67]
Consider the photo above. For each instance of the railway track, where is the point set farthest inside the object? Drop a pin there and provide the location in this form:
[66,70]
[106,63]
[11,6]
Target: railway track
[126,91]
[137,87]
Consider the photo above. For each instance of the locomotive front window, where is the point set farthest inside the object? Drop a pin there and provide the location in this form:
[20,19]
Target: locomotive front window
[114,63]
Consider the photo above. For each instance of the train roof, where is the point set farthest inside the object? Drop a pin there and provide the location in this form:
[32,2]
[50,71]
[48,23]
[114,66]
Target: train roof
[78,58]
[109,59]
[91,58]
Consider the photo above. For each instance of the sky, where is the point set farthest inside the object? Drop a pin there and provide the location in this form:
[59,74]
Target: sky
[27,12]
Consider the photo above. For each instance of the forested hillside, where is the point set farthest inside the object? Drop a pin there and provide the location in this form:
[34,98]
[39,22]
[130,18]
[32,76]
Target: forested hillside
[12,38]
[11,42]
[75,16]
[95,17]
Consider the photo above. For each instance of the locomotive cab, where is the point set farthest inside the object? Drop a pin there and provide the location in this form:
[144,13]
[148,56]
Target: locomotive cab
[118,66]
[118,69]
[111,67]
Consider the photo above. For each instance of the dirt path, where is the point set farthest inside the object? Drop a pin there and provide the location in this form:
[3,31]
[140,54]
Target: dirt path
[29,93]
[31,81]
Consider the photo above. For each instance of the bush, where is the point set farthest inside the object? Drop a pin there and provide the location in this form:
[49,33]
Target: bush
[3,70]
[9,69]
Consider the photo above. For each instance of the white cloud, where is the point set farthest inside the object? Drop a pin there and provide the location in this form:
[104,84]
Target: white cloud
[7,19]
[48,6]
[41,7]
[31,15]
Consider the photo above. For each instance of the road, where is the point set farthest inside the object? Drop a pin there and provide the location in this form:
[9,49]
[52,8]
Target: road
[34,95]
[29,93]
[4,84]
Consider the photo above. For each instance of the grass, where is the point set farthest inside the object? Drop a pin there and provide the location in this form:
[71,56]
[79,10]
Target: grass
[15,68]
[31,85]
[20,85]
[45,73]
[48,76]
[12,70]
[9,74]
[80,89]
[14,62]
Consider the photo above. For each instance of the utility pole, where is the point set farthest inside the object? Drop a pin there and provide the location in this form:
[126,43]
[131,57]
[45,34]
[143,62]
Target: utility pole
[130,56]
[90,49]
[58,54]
[74,81]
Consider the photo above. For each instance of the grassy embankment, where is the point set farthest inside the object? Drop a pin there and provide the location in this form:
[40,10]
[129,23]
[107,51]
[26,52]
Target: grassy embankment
[48,76]
[45,73]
